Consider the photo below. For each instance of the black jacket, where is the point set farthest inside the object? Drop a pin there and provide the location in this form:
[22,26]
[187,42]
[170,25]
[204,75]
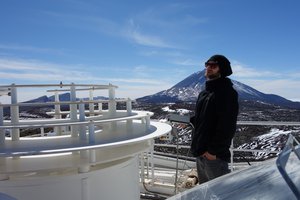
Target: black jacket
[215,119]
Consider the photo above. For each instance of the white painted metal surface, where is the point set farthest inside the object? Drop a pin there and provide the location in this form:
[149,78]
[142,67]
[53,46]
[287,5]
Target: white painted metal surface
[257,182]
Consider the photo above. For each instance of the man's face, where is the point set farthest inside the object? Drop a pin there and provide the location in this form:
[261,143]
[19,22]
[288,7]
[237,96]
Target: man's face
[212,70]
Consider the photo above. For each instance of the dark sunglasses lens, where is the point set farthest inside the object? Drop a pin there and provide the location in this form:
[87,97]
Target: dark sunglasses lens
[212,65]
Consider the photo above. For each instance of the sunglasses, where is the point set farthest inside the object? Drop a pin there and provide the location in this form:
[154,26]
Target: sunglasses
[212,65]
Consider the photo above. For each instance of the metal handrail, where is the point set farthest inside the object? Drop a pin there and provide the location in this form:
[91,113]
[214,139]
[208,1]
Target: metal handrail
[281,163]
[64,102]
[268,123]
[234,149]
[58,85]
[138,115]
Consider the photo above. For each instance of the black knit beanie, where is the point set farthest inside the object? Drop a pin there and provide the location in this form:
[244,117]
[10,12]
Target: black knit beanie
[224,64]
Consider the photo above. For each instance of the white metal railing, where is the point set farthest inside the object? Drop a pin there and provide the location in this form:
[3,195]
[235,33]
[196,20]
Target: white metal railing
[247,123]
[76,112]
[232,150]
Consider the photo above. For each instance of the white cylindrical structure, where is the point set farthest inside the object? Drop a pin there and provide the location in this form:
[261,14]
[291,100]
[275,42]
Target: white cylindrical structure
[103,165]
[117,180]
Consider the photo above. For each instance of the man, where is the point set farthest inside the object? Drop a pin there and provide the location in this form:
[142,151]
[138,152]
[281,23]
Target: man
[215,120]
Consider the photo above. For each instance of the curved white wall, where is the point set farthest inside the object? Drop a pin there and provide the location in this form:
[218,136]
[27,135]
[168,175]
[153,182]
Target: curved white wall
[117,180]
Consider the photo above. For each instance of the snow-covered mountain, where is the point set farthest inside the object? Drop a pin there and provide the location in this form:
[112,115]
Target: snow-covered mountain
[189,88]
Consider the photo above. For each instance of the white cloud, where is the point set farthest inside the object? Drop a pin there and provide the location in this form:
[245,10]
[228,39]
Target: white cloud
[135,35]
[31,49]
[286,88]
[147,40]
[86,22]
[137,91]
[186,62]
[19,64]
[241,71]
[36,71]
[282,84]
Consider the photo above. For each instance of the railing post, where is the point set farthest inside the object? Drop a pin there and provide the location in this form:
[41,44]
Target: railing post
[42,131]
[129,106]
[129,123]
[231,153]
[91,105]
[73,110]
[92,138]
[82,129]
[142,167]
[112,106]
[2,131]
[92,141]
[100,107]
[152,161]
[84,162]
[14,113]
[147,121]
[57,129]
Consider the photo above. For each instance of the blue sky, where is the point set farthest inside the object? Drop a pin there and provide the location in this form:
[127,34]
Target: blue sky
[148,46]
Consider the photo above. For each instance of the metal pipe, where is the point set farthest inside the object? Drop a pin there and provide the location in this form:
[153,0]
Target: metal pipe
[58,85]
[63,103]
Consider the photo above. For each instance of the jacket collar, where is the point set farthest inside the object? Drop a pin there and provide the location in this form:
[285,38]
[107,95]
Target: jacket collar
[219,83]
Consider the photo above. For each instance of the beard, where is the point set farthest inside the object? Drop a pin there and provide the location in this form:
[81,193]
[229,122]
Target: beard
[211,76]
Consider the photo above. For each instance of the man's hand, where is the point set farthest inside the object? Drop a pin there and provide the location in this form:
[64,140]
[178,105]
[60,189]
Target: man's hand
[209,156]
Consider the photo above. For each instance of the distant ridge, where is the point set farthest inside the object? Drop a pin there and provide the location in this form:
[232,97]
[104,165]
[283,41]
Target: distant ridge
[188,89]
[62,97]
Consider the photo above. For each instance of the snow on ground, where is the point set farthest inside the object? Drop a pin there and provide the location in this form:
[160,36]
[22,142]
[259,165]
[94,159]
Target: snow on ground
[274,140]
[179,111]
[167,109]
